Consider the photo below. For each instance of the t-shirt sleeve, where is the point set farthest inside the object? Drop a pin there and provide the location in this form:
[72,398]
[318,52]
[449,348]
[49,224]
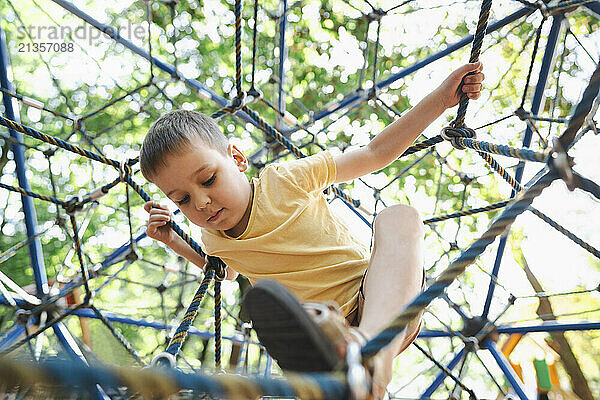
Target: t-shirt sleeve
[312,174]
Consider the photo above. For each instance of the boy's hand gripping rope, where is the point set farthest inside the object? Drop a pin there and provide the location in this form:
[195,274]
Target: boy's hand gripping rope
[214,265]
[521,202]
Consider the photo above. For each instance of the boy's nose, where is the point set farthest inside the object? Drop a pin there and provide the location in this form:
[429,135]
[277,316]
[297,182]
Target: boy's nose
[201,202]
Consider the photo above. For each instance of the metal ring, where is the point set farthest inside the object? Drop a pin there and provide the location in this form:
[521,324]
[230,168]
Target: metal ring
[164,360]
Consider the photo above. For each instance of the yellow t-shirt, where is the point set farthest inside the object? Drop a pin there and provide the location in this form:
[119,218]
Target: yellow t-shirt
[293,237]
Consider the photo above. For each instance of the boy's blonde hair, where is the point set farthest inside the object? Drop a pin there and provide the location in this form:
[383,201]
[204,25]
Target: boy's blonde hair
[173,133]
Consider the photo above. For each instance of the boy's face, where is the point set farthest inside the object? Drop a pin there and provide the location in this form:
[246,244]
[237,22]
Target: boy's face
[210,188]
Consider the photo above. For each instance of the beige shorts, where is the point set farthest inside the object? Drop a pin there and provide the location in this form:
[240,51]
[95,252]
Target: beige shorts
[355,316]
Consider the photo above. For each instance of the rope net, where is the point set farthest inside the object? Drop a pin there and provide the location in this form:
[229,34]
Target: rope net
[345,70]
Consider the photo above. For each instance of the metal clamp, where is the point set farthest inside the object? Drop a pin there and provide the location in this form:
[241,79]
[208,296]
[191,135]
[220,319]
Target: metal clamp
[164,360]
[562,164]
[358,381]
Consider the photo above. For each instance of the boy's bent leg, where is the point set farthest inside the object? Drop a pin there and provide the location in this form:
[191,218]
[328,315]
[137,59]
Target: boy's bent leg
[394,277]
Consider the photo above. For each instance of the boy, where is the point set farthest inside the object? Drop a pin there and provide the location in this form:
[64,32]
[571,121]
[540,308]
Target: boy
[279,226]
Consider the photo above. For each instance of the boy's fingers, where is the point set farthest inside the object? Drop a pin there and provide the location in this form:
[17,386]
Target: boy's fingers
[472,88]
[148,206]
[469,68]
[157,224]
[158,217]
[477,78]
[153,228]
[158,211]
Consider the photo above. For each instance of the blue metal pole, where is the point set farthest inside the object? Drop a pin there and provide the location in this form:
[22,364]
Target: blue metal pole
[355,97]
[113,33]
[428,334]
[87,313]
[283,52]
[547,63]
[506,368]
[12,336]
[441,376]
[594,7]
[268,365]
[550,327]
[35,247]
[68,343]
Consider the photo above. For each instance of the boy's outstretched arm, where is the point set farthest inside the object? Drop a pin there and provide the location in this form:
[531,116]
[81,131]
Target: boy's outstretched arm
[157,229]
[390,143]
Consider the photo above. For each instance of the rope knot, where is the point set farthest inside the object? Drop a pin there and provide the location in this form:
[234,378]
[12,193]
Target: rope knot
[237,102]
[522,114]
[72,205]
[451,133]
[375,15]
[254,93]
[216,264]
[125,170]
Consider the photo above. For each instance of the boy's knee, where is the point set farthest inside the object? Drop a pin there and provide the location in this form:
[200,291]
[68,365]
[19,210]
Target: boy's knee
[403,219]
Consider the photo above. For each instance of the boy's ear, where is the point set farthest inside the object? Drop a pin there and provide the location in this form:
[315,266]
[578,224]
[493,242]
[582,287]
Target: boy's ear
[238,157]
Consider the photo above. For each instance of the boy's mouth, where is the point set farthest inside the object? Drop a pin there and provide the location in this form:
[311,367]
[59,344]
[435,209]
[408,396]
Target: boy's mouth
[214,217]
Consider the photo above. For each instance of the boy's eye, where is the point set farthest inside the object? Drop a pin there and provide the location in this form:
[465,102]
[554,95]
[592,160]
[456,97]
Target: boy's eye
[185,199]
[209,181]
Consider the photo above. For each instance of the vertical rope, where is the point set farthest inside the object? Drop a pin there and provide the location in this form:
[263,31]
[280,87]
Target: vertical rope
[254,32]
[218,325]
[535,50]
[238,47]
[376,57]
[484,14]
[181,332]
[84,276]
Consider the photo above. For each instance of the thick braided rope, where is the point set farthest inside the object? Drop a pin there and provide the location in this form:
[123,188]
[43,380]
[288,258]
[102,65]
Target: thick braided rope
[501,171]
[484,14]
[423,145]
[163,383]
[565,232]
[456,268]
[118,335]
[67,204]
[213,265]
[176,228]
[56,142]
[29,193]
[182,330]
[82,152]
[588,185]
[238,46]
[503,150]
[218,325]
[463,213]
[581,111]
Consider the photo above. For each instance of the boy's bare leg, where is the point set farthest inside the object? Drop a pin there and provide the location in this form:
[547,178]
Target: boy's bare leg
[394,278]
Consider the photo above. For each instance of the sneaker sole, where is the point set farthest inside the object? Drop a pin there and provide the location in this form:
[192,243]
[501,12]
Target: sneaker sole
[287,331]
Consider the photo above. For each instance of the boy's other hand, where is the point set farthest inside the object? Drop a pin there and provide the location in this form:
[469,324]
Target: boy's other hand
[157,227]
[470,76]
